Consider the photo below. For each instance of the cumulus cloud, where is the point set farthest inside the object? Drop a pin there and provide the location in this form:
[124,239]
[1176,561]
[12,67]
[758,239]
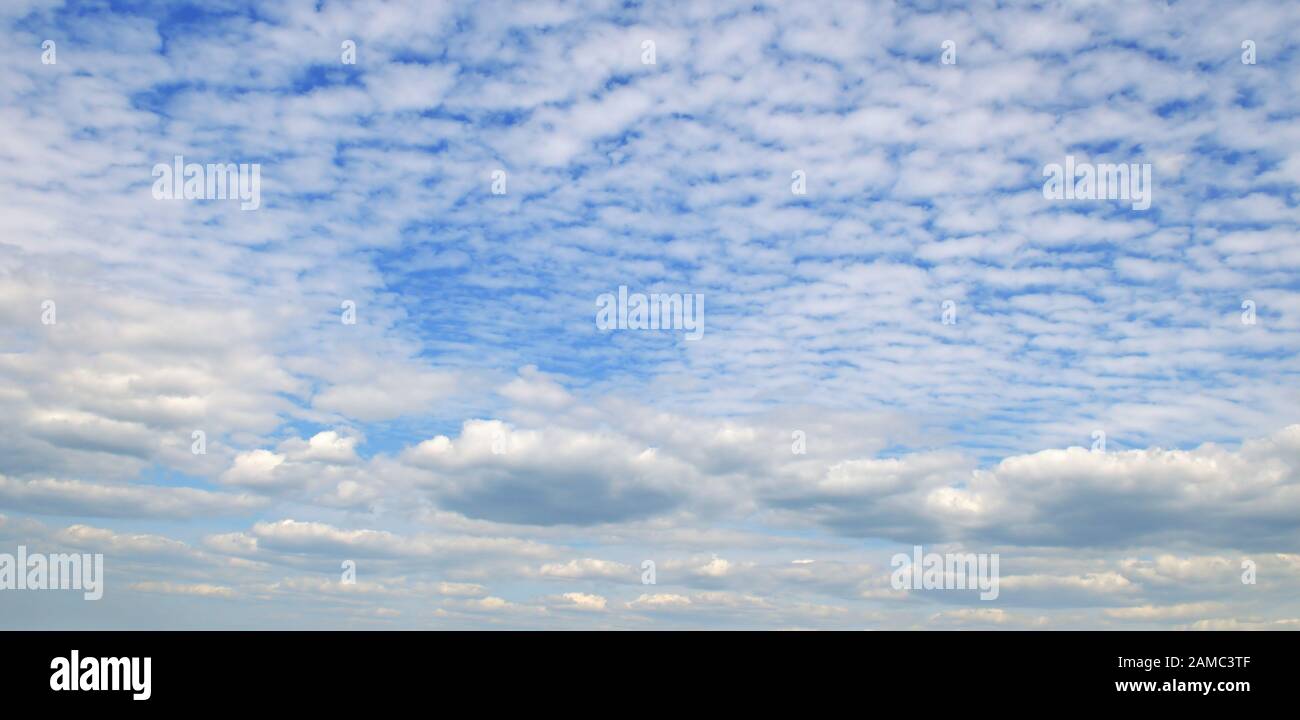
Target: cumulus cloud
[194,589]
[1245,497]
[581,601]
[73,497]
[548,476]
[586,568]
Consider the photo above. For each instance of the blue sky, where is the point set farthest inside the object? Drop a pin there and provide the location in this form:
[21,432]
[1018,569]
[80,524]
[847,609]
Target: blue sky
[489,457]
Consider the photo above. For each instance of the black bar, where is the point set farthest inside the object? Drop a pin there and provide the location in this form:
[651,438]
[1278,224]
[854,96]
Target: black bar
[570,671]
